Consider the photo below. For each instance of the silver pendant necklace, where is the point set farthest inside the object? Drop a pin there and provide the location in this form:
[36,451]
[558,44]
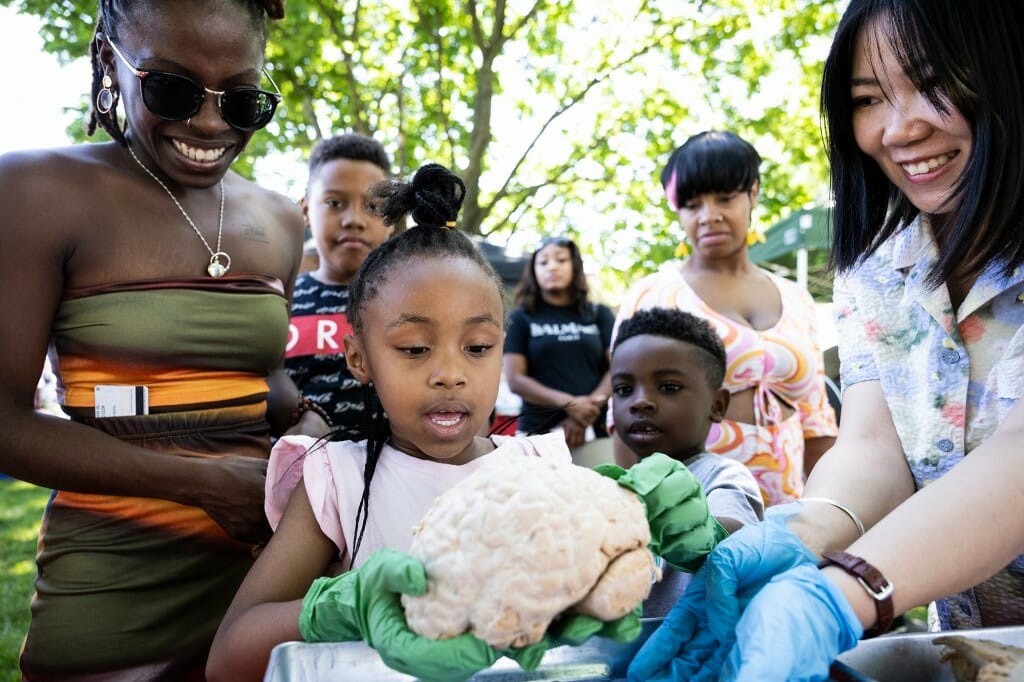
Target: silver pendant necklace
[215,268]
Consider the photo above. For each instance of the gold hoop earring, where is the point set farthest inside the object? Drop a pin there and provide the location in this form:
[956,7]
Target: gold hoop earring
[106,98]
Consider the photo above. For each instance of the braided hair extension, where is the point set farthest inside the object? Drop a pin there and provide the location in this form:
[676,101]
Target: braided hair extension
[433,199]
[115,13]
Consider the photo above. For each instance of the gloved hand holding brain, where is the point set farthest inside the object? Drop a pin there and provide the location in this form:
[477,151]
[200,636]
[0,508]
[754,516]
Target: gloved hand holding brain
[522,540]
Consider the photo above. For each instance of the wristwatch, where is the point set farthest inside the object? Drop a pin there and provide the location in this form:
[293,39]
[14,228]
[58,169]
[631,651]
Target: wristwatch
[873,582]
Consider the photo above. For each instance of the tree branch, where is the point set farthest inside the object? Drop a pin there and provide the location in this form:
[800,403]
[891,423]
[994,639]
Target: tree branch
[607,72]
[329,10]
[523,194]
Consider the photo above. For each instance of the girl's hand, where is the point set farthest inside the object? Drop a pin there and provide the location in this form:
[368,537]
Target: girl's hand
[683,531]
[365,604]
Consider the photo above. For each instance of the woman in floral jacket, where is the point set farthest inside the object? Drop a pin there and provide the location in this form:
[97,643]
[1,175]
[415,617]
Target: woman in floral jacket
[921,499]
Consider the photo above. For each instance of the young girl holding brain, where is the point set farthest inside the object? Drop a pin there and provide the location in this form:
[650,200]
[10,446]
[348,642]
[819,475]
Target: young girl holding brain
[428,324]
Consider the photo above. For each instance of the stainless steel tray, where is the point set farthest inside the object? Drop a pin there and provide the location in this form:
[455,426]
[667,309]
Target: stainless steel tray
[892,658]
[914,658]
[596,660]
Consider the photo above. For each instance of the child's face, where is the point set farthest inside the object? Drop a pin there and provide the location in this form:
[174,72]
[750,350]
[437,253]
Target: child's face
[431,344]
[337,213]
[661,399]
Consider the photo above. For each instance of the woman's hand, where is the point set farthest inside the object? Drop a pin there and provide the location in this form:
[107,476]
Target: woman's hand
[793,629]
[701,628]
[234,497]
[575,435]
[583,409]
[310,424]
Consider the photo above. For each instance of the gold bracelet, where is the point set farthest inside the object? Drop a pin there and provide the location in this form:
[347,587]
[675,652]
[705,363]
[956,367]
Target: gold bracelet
[846,510]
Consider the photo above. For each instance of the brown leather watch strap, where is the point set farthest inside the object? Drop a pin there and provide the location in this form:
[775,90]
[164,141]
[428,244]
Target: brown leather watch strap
[872,580]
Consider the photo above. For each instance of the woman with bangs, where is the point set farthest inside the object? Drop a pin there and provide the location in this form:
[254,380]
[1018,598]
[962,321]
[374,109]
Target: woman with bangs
[779,420]
[922,491]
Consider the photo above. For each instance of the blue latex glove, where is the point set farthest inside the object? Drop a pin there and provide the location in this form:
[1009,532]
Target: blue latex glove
[692,640]
[793,629]
[682,648]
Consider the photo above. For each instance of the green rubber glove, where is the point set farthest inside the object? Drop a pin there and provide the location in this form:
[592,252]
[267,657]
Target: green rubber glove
[365,604]
[683,531]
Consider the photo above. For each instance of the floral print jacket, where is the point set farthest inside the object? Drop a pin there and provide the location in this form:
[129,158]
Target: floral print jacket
[949,376]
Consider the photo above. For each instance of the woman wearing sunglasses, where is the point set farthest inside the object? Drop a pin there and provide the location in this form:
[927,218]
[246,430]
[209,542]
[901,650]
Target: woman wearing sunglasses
[159,281]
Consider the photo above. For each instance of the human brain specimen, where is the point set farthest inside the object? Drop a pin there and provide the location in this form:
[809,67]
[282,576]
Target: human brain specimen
[523,539]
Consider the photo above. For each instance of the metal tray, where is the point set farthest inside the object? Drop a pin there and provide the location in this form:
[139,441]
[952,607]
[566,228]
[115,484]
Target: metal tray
[597,660]
[914,658]
[892,658]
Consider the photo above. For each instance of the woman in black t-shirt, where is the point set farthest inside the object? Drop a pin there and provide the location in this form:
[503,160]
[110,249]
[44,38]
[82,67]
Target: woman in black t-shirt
[557,345]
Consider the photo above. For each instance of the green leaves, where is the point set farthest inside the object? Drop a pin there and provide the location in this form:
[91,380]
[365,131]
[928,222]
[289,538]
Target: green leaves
[557,113]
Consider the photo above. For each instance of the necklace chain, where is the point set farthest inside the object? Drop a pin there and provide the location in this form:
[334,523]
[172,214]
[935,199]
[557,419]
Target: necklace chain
[216,268]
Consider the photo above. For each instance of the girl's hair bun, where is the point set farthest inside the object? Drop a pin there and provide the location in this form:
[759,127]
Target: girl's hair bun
[432,198]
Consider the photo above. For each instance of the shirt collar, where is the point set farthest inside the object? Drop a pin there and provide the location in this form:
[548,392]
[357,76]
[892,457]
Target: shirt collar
[914,246]
[914,252]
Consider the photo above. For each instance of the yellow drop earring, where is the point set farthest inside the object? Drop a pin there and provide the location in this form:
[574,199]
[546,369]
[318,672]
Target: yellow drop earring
[754,236]
[683,250]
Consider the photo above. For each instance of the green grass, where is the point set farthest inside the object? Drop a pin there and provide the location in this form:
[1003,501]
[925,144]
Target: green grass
[21,508]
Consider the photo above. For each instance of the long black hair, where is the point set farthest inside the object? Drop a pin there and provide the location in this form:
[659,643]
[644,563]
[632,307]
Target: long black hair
[114,14]
[432,199]
[965,55]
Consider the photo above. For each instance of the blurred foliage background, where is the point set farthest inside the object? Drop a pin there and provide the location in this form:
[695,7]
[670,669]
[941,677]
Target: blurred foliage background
[21,508]
[558,114]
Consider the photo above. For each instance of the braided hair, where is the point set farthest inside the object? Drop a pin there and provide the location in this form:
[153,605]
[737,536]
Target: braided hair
[432,199]
[115,13]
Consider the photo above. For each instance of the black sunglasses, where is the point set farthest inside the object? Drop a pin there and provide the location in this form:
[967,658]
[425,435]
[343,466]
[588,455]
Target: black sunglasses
[557,241]
[174,97]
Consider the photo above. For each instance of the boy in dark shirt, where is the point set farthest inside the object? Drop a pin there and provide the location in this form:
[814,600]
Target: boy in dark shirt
[341,171]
